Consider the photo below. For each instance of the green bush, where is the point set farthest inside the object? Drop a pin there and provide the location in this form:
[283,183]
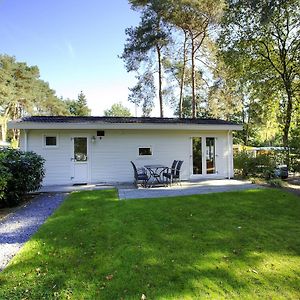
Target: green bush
[246,164]
[295,162]
[276,182]
[23,173]
[5,175]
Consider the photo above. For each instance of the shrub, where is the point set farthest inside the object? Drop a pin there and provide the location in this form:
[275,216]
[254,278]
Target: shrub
[276,182]
[24,172]
[295,163]
[246,164]
[5,175]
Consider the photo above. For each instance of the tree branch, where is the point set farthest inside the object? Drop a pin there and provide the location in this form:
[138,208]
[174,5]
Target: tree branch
[268,57]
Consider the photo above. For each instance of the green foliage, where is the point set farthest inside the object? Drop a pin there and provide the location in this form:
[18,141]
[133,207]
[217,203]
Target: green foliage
[234,245]
[143,52]
[143,93]
[78,107]
[276,182]
[22,92]
[260,42]
[5,176]
[246,164]
[295,149]
[23,172]
[118,110]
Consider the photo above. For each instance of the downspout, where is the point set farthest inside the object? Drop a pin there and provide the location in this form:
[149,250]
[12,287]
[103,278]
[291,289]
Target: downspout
[25,140]
[229,155]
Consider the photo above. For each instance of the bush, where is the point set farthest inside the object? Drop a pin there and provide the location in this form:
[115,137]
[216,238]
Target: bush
[295,163]
[5,175]
[246,164]
[277,182]
[24,172]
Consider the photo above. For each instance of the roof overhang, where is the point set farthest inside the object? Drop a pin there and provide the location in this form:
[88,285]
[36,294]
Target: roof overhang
[119,126]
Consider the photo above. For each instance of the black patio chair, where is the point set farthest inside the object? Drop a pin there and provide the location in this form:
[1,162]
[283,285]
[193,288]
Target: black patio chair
[170,172]
[140,174]
[176,176]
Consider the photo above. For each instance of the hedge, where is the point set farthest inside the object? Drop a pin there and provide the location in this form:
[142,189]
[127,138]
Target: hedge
[20,172]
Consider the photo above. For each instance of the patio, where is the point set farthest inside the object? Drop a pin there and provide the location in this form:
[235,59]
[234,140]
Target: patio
[129,191]
[186,188]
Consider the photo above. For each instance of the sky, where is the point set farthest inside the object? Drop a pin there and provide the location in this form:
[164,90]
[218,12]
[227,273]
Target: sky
[75,44]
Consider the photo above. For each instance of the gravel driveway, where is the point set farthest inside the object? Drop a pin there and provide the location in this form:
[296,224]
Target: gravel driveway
[19,226]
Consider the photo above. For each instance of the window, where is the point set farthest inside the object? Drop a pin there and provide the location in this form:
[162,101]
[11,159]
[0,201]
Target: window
[50,141]
[145,151]
[210,155]
[80,149]
[197,155]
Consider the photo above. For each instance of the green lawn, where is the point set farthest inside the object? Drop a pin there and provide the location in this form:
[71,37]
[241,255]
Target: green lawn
[228,245]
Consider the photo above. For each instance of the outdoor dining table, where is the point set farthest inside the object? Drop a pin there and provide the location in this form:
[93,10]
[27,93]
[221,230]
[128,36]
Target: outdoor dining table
[155,172]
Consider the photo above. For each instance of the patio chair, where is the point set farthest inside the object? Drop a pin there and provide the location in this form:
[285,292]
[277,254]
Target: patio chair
[140,174]
[170,172]
[177,172]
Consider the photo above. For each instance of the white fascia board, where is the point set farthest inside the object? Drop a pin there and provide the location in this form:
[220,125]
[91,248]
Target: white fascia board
[103,126]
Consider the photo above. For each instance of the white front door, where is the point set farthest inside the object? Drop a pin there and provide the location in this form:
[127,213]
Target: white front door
[80,160]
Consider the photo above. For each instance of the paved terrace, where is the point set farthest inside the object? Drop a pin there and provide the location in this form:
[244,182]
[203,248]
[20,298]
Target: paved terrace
[129,191]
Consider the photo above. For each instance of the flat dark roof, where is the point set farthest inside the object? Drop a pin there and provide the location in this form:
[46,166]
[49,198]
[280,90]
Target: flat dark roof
[132,120]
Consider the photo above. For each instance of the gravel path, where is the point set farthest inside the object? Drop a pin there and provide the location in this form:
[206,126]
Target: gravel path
[19,226]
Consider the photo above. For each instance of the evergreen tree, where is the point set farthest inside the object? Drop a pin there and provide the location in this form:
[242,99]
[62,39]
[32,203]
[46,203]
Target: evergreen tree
[118,110]
[78,107]
[22,93]
[150,36]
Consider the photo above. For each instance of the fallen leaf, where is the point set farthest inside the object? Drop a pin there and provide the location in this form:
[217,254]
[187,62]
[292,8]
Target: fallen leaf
[109,277]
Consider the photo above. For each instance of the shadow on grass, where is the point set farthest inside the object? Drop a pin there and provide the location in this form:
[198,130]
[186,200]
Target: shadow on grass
[230,245]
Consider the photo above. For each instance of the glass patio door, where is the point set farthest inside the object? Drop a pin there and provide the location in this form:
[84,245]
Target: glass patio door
[197,155]
[204,155]
[210,156]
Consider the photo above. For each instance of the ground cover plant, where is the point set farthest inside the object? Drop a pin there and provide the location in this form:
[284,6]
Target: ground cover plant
[236,245]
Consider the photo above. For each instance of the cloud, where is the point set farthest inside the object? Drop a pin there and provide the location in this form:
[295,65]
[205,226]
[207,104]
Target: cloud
[71,50]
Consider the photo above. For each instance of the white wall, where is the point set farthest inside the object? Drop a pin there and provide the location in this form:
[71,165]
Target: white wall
[109,158]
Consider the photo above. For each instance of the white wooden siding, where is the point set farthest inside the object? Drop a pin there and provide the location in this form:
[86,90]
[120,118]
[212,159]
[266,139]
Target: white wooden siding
[110,156]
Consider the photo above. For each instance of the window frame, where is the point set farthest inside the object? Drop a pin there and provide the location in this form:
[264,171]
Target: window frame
[50,146]
[142,156]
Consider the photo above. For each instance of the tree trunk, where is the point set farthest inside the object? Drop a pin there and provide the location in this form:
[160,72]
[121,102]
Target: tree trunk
[3,129]
[193,80]
[4,121]
[182,76]
[287,123]
[160,81]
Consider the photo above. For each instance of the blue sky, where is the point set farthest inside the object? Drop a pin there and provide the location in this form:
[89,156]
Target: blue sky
[74,43]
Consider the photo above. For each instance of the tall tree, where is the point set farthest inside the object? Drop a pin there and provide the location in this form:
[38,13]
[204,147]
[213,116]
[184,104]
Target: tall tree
[78,107]
[143,92]
[22,92]
[118,110]
[195,18]
[266,35]
[150,36]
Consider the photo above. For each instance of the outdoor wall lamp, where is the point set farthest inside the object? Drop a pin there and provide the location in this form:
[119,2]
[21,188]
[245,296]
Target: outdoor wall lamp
[93,139]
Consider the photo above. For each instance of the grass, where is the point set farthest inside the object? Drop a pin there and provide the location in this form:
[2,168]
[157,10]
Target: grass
[229,245]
